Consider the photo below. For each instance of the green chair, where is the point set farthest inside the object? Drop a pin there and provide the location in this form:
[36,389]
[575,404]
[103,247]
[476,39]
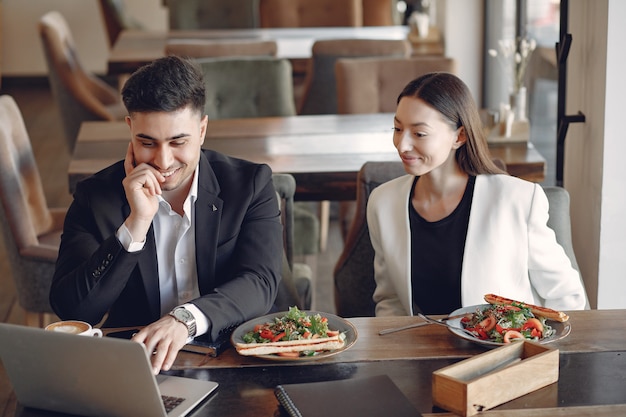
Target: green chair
[213,14]
[239,87]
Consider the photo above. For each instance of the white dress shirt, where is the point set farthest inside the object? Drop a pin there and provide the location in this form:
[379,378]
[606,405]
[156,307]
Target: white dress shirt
[176,255]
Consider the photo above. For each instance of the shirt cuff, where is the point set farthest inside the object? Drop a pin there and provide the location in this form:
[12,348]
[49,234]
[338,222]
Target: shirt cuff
[126,240]
[202,322]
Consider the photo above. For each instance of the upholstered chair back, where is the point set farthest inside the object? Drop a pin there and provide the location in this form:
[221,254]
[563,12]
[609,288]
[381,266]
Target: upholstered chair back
[213,14]
[354,270]
[296,285]
[310,13]
[207,48]
[320,92]
[248,87]
[80,95]
[31,230]
[116,19]
[372,85]
[379,12]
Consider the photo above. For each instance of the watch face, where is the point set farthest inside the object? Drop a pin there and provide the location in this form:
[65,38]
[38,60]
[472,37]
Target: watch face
[183,314]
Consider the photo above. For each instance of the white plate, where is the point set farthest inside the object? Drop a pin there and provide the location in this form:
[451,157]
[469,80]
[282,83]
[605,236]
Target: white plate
[562,329]
[334,323]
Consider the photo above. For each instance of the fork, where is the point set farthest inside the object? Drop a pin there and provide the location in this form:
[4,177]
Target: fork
[420,324]
[443,323]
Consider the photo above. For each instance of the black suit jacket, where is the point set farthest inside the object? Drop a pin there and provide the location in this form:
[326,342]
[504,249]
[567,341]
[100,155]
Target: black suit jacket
[238,249]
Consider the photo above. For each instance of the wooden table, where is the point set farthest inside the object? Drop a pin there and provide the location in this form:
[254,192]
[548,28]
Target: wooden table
[135,48]
[324,152]
[591,380]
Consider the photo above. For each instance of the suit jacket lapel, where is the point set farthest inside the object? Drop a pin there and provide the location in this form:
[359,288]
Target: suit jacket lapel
[208,215]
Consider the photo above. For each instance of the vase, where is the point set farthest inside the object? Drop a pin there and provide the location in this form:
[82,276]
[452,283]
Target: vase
[517,100]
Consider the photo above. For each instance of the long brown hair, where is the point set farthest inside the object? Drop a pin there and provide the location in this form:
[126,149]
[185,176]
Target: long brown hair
[447,94]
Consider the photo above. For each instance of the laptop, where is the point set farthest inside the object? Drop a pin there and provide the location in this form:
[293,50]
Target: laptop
[92,376]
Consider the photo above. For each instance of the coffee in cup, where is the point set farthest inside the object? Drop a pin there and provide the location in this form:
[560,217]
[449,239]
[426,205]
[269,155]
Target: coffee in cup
[74,327]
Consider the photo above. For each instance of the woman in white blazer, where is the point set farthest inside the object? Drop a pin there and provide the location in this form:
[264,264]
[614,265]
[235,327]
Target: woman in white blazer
[457,227]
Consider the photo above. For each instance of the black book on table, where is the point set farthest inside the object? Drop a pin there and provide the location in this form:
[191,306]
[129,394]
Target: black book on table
[371,396]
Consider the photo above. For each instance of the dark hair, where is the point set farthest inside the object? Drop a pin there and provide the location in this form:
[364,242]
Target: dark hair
[166,84]
[447,94]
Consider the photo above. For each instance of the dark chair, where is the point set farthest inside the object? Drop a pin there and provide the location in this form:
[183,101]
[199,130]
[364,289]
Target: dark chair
[354,271]
[116,19]
[296,285]
[320,92]
[31,230]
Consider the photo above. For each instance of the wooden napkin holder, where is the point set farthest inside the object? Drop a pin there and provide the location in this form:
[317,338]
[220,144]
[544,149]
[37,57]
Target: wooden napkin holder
[495,377]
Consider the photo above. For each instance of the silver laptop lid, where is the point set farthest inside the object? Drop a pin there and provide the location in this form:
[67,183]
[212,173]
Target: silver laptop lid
[90,376]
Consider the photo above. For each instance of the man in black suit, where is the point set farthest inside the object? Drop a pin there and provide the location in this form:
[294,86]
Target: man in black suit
[182,240]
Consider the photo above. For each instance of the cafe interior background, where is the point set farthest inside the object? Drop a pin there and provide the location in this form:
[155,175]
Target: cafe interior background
[593,86]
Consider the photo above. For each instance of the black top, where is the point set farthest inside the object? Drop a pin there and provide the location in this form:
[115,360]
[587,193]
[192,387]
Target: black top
[437,256]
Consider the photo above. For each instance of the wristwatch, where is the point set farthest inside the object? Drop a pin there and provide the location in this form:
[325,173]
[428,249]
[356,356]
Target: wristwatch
[184,316]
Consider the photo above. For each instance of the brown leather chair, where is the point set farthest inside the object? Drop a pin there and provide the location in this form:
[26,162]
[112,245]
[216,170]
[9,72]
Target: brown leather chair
[378,12]
[31,230]
[205,48]
[310,13]
[372,85]
[79,94]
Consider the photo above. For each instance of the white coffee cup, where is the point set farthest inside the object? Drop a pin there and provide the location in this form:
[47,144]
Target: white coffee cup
[74,327]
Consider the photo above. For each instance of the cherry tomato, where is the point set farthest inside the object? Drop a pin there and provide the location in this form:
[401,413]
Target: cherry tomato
[278,337]
[488,323]
[307,335]
[331,333]
[533,323]
[267,334]
[257,328]
[479,332]
[511,335]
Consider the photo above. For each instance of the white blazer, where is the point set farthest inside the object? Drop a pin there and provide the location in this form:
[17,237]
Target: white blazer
[509,249]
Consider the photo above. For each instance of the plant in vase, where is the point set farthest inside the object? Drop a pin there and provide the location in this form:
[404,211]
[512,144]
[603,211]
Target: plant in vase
[514,56]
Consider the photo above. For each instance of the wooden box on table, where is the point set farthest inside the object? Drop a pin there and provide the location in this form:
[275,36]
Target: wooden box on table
[495,377]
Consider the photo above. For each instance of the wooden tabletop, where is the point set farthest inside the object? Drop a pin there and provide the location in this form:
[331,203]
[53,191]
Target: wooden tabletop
[323,152]
[591,370]
[135,48]
[592,331]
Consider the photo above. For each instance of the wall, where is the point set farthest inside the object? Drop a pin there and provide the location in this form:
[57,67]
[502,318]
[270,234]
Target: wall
[19,22]
[594,173]
[463,22]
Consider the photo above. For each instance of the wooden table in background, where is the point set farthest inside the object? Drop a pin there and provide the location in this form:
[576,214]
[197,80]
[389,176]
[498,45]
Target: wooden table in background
[135,48]
[324,153]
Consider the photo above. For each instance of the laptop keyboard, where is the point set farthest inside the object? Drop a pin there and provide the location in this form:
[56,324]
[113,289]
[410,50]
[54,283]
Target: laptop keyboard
[171,402]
